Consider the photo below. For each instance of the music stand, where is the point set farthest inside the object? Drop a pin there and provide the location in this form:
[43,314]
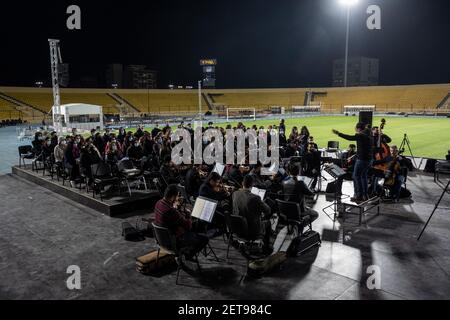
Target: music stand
[434,210]
[337,173]
[204,210]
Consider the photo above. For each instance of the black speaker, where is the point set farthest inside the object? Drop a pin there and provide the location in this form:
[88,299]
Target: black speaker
[366,117]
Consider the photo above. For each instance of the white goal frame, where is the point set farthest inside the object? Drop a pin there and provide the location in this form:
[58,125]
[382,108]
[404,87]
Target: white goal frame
[306,109]
[354,110]
[242,109]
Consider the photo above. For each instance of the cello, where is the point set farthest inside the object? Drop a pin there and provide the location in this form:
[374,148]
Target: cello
[383,151]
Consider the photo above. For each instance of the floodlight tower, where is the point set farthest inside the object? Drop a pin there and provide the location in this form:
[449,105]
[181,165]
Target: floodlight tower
[55,60]
[349,4]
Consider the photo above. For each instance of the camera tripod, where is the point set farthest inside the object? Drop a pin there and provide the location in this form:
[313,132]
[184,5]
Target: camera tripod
[406,143]
[435,208]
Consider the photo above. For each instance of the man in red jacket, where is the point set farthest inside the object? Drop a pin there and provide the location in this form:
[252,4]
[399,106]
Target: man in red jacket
[167,215]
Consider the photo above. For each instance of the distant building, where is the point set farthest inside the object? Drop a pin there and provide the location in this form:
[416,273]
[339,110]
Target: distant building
[114,75]
[139,77]
[362,71]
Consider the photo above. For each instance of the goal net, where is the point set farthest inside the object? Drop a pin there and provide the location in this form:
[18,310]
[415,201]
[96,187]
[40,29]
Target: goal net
[241,114]
[355,110]
[306,109]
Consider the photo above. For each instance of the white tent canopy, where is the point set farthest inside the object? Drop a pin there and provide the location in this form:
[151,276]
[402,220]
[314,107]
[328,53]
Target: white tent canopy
[78,115]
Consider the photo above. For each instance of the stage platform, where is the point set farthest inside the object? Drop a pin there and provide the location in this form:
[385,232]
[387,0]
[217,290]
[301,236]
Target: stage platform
[113,204]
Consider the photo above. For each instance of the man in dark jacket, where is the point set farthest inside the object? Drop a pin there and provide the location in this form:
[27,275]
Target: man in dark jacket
[295,191]
[364,155]
[254,210]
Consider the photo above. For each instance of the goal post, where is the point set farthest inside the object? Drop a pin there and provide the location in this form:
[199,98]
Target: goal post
[241,113]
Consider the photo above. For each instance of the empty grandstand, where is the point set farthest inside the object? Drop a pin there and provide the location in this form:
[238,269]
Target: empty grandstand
[33,103]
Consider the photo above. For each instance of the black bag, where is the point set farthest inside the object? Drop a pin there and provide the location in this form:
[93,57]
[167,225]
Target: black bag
[430,166]
[405,193]
[303,243]
[130,233]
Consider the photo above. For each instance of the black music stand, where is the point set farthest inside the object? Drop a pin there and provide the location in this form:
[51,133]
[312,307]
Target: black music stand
[434,210]
[338,174]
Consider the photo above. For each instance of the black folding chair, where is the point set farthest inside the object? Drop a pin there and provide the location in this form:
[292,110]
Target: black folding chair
[167,242]
[25,153]
[130,174]
[102,176]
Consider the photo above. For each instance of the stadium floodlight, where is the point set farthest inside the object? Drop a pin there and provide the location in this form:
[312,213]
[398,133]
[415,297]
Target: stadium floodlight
[348,4]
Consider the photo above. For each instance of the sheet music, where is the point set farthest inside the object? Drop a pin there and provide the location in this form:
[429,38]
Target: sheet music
[306,180]
[259,192]
[219,168]
[204,209]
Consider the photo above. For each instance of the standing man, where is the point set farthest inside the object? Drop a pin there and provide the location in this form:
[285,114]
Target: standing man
[364,156]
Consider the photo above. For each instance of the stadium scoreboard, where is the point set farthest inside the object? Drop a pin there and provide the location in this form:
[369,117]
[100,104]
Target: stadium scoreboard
[209,72]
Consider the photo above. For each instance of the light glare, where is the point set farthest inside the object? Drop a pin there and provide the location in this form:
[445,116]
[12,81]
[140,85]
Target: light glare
[348,2]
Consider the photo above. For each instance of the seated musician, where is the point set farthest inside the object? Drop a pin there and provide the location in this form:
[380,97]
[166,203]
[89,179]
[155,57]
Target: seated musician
[377,139]
[295,191]
[393,176]
[167,215]
[348,158]
[168,171]
[311,162]
[254,210]
[211,188]
[193,181]
[236,174]
[258,180]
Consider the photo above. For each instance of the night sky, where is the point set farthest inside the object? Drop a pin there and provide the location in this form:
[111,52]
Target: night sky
[258,43]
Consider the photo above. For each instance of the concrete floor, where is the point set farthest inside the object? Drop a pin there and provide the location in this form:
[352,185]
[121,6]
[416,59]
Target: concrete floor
[42,234]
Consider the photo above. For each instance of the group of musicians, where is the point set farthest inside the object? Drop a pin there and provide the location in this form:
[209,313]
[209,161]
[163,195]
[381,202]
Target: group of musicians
[232,188]
[372,156]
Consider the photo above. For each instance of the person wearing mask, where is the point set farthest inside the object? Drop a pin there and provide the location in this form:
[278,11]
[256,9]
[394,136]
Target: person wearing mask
[168,215]
[99,142]
[59,150]
[295,191]
[364,156]
[135,152]
[70,161]
[54,140]
[255,211]
[37,143]
[121,135]
[89,156]
[113,150]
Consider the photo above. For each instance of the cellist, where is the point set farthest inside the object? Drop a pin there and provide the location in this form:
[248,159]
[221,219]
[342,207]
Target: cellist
[381,155]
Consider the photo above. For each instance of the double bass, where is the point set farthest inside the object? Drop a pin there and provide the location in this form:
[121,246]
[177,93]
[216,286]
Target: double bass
[383,151]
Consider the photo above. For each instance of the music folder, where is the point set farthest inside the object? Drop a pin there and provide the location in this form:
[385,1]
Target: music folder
[204,209]
[259,192]
[219,168]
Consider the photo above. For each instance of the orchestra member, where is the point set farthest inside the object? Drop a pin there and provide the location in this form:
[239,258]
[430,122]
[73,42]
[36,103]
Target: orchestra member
[258,180]
[168,215]
[211,188]
[364,156]
[193,181]
[168,171]
[295,191]
[255,211]
[394,177]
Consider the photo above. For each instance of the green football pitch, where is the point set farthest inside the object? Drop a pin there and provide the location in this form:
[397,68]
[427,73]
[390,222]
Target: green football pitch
[429,137]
